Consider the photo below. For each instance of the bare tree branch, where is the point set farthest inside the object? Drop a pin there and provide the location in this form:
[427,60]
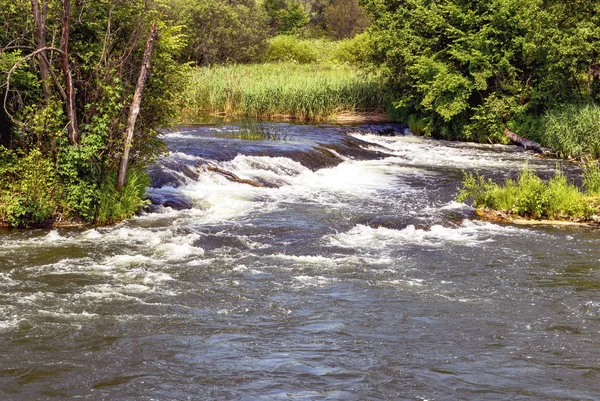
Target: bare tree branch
[13,68]
[135,105]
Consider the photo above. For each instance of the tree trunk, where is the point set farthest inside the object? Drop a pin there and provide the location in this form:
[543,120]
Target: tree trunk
[73,126]
[526,143]
[39,16]
[593,75]
[135,106]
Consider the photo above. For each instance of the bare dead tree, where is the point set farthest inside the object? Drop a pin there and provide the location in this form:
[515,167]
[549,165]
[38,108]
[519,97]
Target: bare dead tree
[135,105]
[73,126]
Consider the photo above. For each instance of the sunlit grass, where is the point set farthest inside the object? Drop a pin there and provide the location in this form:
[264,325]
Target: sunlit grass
[307,92]
[529,196]
[572,131]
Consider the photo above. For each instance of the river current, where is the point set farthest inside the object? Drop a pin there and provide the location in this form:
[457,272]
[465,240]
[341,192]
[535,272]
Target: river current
[346,272]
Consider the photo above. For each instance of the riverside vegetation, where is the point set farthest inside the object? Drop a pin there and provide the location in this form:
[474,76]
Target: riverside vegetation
[530,197]
[450,69]
[303,79]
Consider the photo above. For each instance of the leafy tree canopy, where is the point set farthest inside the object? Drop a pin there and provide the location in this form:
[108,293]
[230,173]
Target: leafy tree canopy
[471,68]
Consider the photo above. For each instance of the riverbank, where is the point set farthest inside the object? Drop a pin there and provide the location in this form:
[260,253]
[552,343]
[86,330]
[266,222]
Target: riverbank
[497,216]
[309,92]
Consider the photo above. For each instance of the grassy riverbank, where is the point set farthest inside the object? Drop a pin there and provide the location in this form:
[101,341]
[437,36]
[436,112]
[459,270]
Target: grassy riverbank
[530,197]
[300,91]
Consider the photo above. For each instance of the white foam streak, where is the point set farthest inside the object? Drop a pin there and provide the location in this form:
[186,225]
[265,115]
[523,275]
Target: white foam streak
[423,152]
[468,234]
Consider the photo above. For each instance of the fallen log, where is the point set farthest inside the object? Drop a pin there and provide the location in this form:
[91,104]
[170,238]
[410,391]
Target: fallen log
[526,143]
[232,177]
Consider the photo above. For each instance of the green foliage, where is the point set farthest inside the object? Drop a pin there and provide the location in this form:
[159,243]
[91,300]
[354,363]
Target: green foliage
[572,131]
[591,178]
[292,90]
[530,197]
[291,19]
[417,125]
[220,31]
[44,176]
[288,48]
[115,205]
[27,187]
[286,16]
[473,68]
[344,19]
[351,51]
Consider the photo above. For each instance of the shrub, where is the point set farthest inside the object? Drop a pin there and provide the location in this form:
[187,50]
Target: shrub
[26,188]
[351,51]
[288,48]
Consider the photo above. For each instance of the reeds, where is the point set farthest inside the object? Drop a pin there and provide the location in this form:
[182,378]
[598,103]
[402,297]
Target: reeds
[307,92]
[573,131]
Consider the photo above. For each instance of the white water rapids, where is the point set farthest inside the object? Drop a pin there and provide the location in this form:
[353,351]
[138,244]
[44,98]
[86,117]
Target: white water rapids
[356,279]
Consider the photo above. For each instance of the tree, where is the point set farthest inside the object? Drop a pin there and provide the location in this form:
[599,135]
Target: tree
[66,108]
[219,32]
[345,18]
[469,69]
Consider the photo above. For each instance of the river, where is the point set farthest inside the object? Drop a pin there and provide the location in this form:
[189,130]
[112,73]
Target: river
[349,274]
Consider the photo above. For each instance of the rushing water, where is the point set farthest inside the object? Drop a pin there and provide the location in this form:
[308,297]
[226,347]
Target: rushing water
[350,275]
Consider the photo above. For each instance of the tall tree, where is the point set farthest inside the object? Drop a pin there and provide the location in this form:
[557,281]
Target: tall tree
[72,125]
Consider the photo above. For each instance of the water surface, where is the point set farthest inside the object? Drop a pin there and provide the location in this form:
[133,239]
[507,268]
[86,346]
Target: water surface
[351,275]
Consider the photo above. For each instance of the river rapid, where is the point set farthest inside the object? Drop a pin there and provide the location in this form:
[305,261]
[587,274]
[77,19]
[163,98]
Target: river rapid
[348,274]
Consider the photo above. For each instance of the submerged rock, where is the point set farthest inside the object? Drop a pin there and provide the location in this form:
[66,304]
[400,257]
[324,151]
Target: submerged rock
[390,129]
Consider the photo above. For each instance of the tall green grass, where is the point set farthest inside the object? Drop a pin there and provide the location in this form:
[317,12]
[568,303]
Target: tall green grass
[572,131]
[301,91]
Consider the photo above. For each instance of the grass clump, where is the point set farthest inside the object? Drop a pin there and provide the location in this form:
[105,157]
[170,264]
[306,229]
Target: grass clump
[115,205]
[301,91]
[529,196]
[572,131]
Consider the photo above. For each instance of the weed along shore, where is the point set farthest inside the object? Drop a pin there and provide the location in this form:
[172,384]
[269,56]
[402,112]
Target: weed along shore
[313,92]
[530,200]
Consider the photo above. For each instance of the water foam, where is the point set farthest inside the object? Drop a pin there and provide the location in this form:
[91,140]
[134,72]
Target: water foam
[468,234]
[423,152]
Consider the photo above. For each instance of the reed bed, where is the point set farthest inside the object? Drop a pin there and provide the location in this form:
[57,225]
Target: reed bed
[307,92]
[572,131]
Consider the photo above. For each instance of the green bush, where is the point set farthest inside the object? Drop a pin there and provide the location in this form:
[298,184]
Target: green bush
[288,48]
[27,188]
[351,51]
[473,68]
